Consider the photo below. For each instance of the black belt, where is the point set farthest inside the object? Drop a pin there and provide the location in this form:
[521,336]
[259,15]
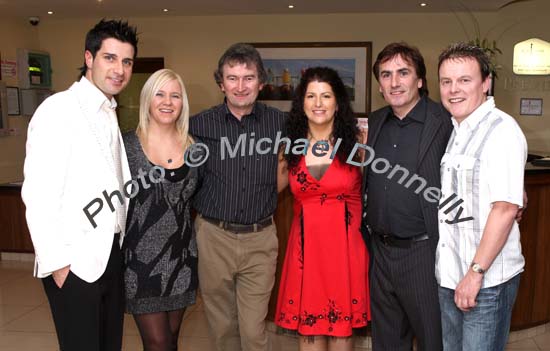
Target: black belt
[392,240]
[238,228]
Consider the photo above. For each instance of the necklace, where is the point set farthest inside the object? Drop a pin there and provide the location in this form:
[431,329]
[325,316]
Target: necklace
[315,140]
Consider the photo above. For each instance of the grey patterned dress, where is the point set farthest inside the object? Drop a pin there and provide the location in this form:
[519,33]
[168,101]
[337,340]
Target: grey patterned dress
[160,250]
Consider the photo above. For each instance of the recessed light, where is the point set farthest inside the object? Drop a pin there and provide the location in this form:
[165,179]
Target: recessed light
[290,6]
[423,4]
[164,10]
[50,12]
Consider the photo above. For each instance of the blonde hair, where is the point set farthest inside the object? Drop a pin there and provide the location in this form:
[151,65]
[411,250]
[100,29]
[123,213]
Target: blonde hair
[150,88]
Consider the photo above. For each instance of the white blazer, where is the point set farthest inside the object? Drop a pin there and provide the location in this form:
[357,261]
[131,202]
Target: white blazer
[69,164]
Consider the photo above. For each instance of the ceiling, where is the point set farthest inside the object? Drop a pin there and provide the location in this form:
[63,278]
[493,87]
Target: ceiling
[64,9]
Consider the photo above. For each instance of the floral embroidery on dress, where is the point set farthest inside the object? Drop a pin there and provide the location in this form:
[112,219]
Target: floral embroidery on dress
[323,198]
[301,177]
[309,319]
[332,313]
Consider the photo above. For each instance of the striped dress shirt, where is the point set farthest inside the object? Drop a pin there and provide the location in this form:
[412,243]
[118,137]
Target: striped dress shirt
[240,189]
[484,163]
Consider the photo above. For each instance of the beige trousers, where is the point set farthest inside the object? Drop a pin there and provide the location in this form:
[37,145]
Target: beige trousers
[236,275]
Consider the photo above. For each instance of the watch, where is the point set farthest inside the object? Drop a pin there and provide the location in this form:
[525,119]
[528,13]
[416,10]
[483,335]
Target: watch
[477,268]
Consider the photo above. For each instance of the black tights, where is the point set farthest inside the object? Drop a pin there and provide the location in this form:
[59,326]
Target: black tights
[159,331]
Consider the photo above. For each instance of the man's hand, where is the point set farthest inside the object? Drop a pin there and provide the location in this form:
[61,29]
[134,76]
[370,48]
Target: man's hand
[467,290]
[519,214]
[60,276]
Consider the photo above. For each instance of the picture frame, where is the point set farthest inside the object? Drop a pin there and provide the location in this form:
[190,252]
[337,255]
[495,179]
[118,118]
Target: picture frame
[530,107]
[284,63]
[14,106]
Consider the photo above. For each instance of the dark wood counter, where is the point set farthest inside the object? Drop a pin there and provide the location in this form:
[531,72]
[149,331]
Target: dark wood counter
[14,234]
[533,301]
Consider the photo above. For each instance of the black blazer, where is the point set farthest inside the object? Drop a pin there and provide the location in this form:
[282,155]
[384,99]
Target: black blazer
[435,135]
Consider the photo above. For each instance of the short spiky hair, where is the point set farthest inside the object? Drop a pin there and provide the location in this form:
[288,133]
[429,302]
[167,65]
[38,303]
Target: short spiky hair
[238,54]
[106,29]
[463,50]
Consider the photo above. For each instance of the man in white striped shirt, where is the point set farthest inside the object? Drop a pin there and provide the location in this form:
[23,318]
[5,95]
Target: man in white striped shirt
[478,259]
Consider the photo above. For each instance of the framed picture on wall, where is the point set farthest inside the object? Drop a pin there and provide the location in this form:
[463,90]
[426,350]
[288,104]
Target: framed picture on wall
[285,63]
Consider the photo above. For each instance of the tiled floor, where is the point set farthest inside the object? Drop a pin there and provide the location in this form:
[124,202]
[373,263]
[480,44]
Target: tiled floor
[26,324]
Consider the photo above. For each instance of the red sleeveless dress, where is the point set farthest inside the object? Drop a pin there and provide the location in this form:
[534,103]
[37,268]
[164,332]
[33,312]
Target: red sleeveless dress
[324,284]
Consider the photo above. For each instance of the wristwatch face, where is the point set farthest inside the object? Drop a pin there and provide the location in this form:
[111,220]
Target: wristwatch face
[477,268]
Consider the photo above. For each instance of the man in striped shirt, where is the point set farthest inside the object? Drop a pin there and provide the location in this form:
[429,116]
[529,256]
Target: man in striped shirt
[478,259]
[236,236]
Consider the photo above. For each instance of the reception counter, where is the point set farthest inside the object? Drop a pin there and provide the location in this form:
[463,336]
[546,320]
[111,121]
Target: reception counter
[533,301]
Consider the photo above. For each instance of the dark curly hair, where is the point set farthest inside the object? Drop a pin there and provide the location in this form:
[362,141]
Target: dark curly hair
[345,124]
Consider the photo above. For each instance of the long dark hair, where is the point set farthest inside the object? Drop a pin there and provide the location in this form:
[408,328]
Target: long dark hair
[345,124]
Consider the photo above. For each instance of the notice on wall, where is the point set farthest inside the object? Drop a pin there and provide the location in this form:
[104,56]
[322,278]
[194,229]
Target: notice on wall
[8,68]
[532,57]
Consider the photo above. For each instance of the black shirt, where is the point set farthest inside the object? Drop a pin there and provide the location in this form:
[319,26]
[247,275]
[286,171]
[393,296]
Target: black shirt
[240,189]
[392,207]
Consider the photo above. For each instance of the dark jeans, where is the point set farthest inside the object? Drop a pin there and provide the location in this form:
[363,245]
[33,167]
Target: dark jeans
[89,316]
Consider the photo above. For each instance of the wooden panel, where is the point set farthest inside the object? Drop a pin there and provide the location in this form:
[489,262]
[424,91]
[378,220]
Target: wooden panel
[532,305]
[14,233]
[541,297]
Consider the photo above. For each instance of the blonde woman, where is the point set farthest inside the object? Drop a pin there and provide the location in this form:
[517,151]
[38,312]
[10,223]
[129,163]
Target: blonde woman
[159,248]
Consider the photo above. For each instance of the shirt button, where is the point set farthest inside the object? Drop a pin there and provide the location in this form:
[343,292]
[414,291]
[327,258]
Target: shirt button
[394,145]
[442,245]
[440,221]
[456,143]
[448,169]
[457,166]
[385,187]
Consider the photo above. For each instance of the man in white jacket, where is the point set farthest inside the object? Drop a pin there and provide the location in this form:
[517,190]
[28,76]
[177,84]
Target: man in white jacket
[75,171]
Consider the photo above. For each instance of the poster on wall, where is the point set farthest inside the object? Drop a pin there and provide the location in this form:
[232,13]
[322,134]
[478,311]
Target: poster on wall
[8,68]
[285,63]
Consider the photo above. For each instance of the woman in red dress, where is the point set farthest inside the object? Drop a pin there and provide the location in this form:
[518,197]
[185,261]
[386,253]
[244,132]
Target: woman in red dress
[324,284]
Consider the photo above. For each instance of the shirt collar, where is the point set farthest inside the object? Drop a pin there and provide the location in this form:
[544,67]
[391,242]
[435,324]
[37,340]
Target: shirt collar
[258,108]
[94,97]
[418,112]
[471,122]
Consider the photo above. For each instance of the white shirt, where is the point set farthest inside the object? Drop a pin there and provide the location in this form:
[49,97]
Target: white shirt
[484,162]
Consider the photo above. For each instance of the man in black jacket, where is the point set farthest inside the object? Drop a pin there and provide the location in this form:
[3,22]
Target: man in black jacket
[401,202]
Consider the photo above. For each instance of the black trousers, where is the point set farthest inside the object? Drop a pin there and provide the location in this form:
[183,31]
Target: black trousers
[404,297]
[89,316]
